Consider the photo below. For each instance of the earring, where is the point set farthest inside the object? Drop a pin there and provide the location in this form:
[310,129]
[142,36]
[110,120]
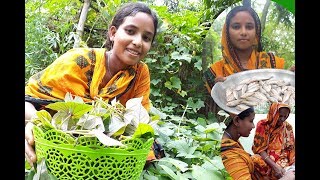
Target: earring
[111,45]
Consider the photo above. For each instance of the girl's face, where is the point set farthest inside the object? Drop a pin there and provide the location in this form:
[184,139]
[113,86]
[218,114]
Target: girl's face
[246,125]
[242,30]
[132,40]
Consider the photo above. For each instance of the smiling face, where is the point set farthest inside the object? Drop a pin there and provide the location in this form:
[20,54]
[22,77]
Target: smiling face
[133,39]
[246,125]
[242,30]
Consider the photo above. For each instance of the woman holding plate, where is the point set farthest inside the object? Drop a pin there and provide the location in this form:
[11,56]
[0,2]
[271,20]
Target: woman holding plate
[241,48]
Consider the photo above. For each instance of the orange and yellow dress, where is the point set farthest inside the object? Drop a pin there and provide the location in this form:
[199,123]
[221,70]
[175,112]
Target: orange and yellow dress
[80,71]
[236,160]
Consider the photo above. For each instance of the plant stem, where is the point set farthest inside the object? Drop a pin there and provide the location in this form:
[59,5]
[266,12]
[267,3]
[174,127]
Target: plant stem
[182,118]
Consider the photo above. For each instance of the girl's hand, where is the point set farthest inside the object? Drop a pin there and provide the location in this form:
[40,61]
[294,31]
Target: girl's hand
[29,142]
[290,175]
[220,79]
[279,172]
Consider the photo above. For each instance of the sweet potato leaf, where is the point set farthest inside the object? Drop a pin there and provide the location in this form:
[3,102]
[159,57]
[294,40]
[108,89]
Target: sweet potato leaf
[44,118]
[89,122]
[106,140]
[143,131]
[75,109]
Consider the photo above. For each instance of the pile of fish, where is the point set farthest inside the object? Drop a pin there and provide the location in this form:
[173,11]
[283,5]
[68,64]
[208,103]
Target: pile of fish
[255,92]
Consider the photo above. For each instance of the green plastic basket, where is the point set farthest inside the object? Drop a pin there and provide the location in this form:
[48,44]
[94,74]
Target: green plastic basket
[87,158]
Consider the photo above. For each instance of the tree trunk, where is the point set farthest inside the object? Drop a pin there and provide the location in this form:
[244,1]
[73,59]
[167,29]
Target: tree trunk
[264,14]
[82,20]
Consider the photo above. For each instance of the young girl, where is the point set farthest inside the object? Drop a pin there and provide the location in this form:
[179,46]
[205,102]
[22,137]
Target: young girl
[97,72]
[241,49]
[236,160]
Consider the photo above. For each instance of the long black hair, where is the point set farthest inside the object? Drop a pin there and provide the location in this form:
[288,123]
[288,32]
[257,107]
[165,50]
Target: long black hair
[131,9]
[255,17]
[245,113]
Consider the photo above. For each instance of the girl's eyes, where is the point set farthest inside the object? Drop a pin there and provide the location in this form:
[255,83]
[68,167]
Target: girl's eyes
[238,26]
[235,26]
[130,31]
[249,27]
[146,38]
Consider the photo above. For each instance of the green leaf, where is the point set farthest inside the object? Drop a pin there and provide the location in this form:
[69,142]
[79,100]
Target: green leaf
[168,85]
[183,148]
[106,140]
[156,111]
[165,133]
[212,127]
[202,121]
[116,126]
[214,163]
[27,166]
[155,81]
[184,176]
[150,60]
[76,109]
[195,105]
[169,171]
[30,175]
[60,120]
[175,82]
[148,177]
[176,40]
[198,65]
[223,113]
[182,93]
[184,56]
[135,113]
[182,166]
[90,122]
[144,131]
[200,128]
[42,172]
[201,173]
[45,118]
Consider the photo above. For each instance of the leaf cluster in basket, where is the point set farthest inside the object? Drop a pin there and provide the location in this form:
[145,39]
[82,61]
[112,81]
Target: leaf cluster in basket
[109,122]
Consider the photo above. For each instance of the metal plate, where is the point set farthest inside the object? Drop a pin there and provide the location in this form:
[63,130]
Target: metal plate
[218,92]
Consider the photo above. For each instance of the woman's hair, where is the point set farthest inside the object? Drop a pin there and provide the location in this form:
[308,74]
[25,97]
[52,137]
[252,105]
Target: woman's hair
[245,113]
[131,9]
[255,17]
[242,115]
